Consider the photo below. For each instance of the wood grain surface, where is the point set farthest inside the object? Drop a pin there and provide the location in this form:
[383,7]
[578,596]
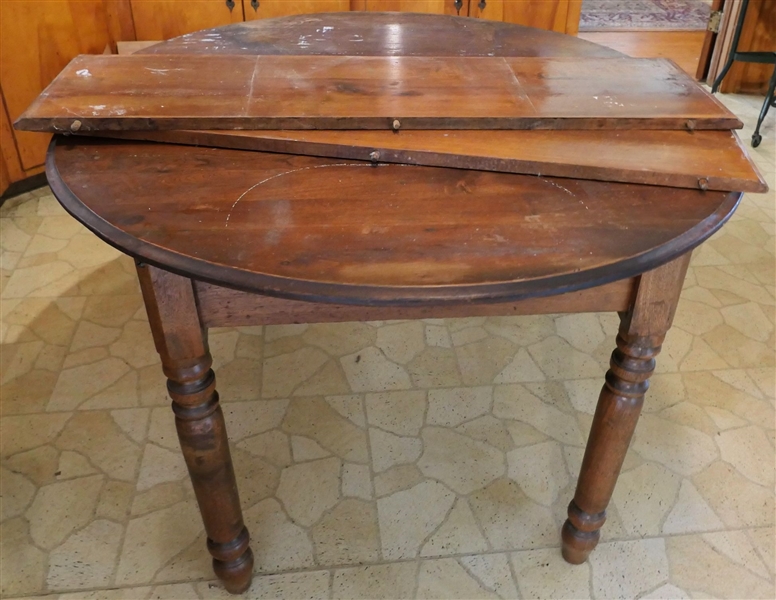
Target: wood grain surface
[380,34]
[163,92]
[225,307]
[714,160]
[352,233]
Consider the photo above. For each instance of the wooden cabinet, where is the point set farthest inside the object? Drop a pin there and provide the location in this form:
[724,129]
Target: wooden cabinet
[266,9]
[419,6]
[37,39]
[555,15]
[757,35]
[165,19]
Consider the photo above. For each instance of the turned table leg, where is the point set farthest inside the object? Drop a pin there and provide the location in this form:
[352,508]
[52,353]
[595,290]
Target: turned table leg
[642,330]
[182,345]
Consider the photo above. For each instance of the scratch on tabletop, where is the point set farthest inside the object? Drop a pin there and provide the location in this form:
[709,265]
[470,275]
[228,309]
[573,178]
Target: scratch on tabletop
[283,174]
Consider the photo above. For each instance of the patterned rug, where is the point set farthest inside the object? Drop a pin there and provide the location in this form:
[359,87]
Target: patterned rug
[661,15]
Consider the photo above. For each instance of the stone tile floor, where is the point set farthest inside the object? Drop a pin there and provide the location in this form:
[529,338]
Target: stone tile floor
[439,465]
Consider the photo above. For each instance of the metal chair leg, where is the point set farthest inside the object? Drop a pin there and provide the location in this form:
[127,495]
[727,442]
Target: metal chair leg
[770,99]
[733,47]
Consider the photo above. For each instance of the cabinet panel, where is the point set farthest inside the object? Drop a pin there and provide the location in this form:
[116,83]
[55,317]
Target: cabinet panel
[544,14]
[37,40]
[165,19]
[490,9]
[280,8]
[418,6]
[757,35]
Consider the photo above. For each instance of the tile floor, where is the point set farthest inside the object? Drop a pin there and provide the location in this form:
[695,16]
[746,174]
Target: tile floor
[441,462]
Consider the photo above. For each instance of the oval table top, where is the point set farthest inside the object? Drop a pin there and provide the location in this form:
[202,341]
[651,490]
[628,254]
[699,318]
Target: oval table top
[346,231]
[380,34]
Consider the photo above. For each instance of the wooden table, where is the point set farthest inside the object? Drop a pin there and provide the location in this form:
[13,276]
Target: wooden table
[227,237]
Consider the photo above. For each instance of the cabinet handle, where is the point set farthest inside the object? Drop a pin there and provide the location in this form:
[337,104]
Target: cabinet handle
[255,4]
[230,5]
[458,6]
[482,4]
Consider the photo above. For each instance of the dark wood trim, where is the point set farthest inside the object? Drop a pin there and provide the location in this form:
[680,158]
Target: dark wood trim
[24,185]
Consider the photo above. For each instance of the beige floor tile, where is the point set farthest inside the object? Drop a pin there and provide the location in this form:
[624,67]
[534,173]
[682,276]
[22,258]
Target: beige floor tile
[643,497]
[357,481]
[304,449]
[317,419]
[96,435]
[370,370]
[272,445]
[87,559]
[278,543]
[400,413]
[389,450]
[682,449]
[190,564]
[350,406]
[30,392]
[764,540]
[738,501]
[79,383]
[516,402]
[115,500]
[310,489]
[17,493]
[23,566]
[539,470]
[690,512]
[347,534]
[628,569]
[750,452]
[404,529]
[499,434]
[159,465]
[435,367]
[447,579]
[493,572]
[459,534]
[401,342]
[461,463]
[312,584]
[480,362]
[706,565]
[451,407]
[61,508]
[544,574]
[174,591]
[25,432]
[341,338]
[152,540]
[396,479]
[379,582]
[511,520]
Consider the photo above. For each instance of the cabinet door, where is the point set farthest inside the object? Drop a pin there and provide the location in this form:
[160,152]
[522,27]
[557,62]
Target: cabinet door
[266,9]
[37,40]
[165,19]
[418,6]
[555,15]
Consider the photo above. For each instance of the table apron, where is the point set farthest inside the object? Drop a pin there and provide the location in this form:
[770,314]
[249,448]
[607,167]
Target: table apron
[224,307]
